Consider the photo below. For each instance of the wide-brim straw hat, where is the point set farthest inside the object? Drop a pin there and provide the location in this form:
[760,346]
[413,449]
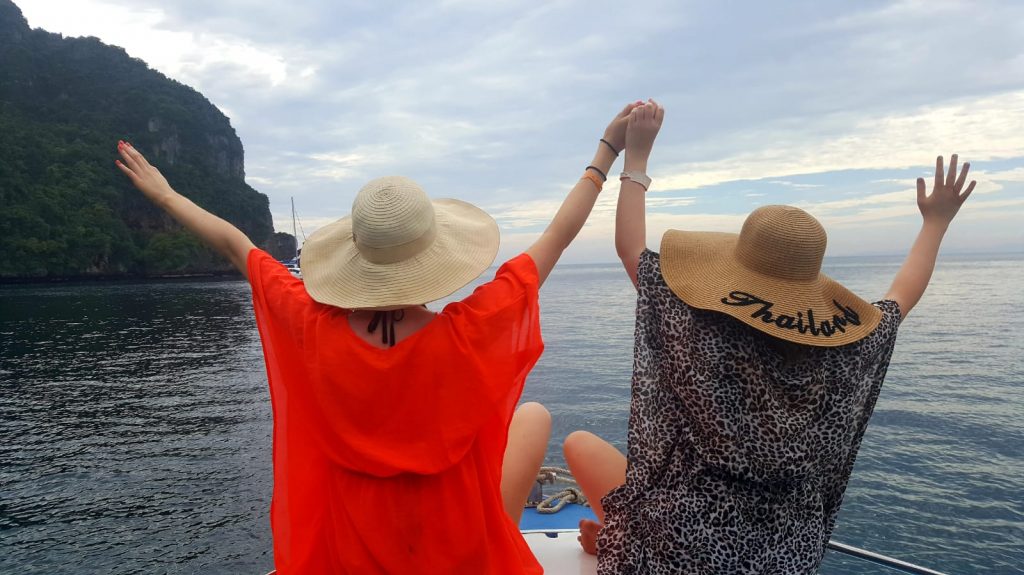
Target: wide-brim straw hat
[398,248]
[769,277]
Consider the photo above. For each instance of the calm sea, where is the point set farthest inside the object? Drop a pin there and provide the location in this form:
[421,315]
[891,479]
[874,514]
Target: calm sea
[135,420]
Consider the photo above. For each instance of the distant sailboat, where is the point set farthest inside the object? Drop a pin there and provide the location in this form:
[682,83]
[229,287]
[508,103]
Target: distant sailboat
[293,264]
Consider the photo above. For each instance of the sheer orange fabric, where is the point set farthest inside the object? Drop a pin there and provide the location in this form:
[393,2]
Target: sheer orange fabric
[389,460]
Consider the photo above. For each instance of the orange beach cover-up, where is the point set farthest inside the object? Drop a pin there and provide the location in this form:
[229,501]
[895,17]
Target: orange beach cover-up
[389,460]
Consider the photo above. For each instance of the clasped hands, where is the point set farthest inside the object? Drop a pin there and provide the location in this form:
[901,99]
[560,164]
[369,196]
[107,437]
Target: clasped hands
[634,129]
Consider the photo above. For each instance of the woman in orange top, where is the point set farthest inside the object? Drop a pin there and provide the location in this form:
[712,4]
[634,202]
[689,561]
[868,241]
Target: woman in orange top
[395,445]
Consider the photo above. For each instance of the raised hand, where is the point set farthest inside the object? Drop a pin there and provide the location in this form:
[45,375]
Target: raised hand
[220,235]
[579,203]
[146,178]
[630,217]
[615,133]
[946,197]
[937,210]
[642,129]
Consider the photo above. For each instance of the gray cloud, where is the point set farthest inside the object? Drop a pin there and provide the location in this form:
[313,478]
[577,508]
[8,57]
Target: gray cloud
[490,100]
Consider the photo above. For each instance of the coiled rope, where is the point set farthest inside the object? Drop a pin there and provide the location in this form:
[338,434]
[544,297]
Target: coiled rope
[570,493]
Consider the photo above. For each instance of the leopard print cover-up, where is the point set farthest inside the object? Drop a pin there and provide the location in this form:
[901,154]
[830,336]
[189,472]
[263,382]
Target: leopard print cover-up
[738,457]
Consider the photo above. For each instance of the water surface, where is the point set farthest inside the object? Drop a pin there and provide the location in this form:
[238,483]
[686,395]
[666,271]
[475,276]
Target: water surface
[135,419]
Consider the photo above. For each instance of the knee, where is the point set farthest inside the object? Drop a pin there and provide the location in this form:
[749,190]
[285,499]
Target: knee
[535,413]
[577,443]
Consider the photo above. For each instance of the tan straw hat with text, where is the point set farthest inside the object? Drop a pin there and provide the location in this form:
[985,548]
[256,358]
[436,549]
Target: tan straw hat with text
[398,248]
[769,277]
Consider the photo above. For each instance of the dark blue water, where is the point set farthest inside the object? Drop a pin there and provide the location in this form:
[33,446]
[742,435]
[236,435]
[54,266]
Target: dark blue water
[135,420]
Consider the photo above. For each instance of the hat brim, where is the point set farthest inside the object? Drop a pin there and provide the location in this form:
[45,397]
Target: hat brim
[335,273]
[702,269]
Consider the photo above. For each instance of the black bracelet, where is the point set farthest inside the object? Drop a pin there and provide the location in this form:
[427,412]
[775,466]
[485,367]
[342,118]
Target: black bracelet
[610,146]
[604,176]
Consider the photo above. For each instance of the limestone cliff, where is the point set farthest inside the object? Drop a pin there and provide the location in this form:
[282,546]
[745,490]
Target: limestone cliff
[66,210]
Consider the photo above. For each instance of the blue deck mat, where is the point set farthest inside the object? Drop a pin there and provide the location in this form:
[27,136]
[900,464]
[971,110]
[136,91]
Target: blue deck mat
[567,518]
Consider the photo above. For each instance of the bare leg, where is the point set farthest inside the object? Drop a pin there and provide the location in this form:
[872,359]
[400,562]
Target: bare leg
[528,437]
[598,467]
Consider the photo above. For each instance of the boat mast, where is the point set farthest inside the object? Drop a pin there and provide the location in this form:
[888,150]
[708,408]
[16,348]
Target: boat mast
[295,235]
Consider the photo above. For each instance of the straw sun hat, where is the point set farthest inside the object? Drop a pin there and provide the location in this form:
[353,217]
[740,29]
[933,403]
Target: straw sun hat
[398,248]
[769,277]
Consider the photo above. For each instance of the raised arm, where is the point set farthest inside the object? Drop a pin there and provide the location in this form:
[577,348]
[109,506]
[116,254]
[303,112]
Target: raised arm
[630,217]
[937,211]
[577,205]
[220,235]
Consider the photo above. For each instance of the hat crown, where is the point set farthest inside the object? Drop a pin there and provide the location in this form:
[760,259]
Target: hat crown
[389,213]
[782,242]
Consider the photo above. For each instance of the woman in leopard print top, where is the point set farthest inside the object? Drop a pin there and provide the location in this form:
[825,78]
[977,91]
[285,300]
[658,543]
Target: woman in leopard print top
[746,414]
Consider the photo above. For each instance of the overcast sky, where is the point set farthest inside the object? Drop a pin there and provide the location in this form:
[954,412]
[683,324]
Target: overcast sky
[833,106]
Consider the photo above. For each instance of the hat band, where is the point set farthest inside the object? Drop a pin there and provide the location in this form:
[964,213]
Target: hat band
[392,254]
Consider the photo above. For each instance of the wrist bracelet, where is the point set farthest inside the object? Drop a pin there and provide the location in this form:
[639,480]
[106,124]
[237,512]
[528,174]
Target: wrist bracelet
[610,146]
[636,176]
[604,176]
[588,175]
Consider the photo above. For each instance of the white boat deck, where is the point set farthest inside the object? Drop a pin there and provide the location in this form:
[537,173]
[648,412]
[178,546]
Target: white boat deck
[561,555]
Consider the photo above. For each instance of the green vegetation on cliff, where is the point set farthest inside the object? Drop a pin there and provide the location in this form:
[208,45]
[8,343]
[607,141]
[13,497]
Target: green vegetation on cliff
[65,209]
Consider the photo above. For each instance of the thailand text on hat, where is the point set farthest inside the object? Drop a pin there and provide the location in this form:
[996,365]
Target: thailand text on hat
[398,248]
[769,277]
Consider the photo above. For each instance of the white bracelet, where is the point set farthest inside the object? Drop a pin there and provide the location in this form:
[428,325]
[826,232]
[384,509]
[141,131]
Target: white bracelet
[638,177]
